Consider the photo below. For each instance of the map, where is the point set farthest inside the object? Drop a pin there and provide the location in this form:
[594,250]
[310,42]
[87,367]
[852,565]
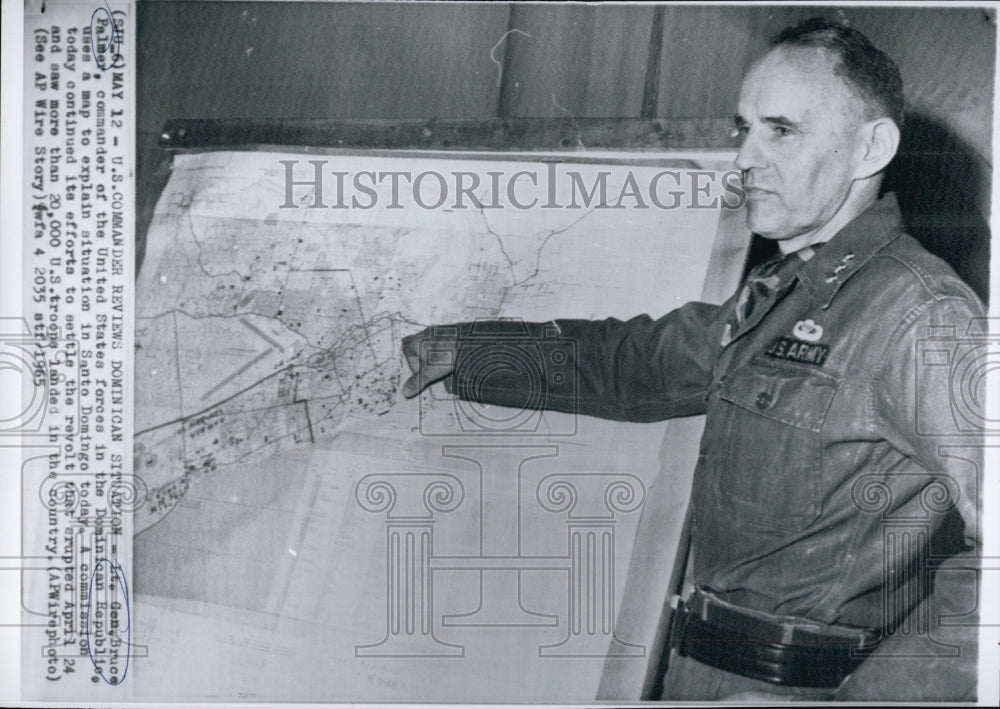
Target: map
[268,376]
[269,330]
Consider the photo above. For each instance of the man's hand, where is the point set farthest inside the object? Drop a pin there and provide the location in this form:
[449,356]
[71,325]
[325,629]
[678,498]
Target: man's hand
[430,354]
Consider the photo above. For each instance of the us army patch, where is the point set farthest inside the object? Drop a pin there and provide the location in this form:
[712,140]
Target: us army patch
[796,350]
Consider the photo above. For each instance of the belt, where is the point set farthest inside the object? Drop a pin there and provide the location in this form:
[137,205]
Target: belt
[785,651]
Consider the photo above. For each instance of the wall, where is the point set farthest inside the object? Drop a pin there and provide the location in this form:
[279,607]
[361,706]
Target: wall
[308,60]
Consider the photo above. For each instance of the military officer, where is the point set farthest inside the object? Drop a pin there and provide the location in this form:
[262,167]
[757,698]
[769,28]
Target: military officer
[823,418]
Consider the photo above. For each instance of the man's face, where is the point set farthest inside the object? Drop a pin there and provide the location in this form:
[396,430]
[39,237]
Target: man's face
[799,123]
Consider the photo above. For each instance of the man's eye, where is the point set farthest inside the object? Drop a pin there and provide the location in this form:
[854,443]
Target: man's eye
[740,131]
[782,130]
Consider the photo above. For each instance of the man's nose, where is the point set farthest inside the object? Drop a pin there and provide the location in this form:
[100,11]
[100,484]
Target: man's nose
[750,154]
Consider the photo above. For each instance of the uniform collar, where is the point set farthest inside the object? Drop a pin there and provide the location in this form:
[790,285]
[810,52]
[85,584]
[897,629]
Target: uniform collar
[850,249]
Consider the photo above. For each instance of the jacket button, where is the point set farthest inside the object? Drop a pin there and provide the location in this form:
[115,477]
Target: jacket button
[763,400]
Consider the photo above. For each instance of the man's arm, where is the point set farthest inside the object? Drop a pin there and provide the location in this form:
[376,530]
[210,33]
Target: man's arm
[636,370]
[917,406]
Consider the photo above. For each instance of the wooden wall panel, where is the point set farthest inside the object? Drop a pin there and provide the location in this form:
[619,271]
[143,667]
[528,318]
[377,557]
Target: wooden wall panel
[706,51]
[306,60]
[582,60]
[318,60]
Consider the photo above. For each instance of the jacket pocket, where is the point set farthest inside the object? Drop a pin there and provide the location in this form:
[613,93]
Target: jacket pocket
[771,471]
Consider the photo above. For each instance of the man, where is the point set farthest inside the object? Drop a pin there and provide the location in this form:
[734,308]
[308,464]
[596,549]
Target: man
[823,429]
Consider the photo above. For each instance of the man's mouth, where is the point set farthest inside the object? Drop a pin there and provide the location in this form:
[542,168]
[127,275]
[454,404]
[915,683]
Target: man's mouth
[756,192]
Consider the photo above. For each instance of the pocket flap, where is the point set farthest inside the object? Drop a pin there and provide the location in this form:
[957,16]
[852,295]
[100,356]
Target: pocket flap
[797,396]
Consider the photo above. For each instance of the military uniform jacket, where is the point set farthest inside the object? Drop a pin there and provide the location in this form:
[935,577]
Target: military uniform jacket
[843,427]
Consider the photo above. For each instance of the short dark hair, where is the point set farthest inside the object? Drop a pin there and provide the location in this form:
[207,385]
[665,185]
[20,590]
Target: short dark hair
[866,69]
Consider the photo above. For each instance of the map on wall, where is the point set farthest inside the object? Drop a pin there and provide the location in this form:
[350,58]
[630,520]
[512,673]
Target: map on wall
[301,517]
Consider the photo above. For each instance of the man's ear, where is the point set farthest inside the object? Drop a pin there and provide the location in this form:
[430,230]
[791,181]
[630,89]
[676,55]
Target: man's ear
[879,140]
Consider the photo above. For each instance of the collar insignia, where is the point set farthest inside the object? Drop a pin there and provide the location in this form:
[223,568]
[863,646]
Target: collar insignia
[842,266]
